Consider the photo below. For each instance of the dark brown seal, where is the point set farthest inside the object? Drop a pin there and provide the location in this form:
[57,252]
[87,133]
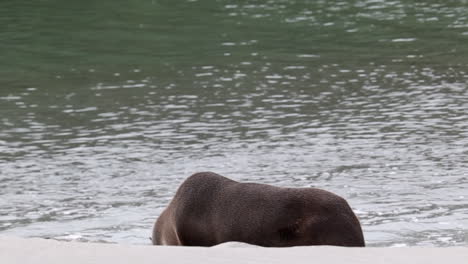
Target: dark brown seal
[209,209]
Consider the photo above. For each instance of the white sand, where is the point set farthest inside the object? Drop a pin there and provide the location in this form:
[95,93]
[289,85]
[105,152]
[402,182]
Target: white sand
[24,251]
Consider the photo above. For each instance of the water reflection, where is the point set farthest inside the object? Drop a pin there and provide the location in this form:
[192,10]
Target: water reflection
[334,95]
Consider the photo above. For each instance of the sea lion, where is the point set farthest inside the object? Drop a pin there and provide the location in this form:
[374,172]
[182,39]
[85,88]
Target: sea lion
[209,209]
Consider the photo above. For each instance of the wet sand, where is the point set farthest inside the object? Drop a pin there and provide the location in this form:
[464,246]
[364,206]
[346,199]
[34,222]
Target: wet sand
[34,250]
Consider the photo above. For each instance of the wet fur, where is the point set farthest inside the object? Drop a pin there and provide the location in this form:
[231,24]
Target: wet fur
[209,209]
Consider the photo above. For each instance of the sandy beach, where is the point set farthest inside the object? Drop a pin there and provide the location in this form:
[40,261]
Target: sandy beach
[35,250]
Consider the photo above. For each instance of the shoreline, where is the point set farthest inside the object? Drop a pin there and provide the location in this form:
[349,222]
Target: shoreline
[36,250]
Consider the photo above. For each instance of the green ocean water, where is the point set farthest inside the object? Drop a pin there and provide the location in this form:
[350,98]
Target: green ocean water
[106,106]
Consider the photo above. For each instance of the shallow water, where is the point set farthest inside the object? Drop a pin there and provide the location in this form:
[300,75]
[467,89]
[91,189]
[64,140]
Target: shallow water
[107,106]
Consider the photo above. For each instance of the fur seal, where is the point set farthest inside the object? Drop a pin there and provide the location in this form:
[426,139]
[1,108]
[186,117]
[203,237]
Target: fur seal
[209,209]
